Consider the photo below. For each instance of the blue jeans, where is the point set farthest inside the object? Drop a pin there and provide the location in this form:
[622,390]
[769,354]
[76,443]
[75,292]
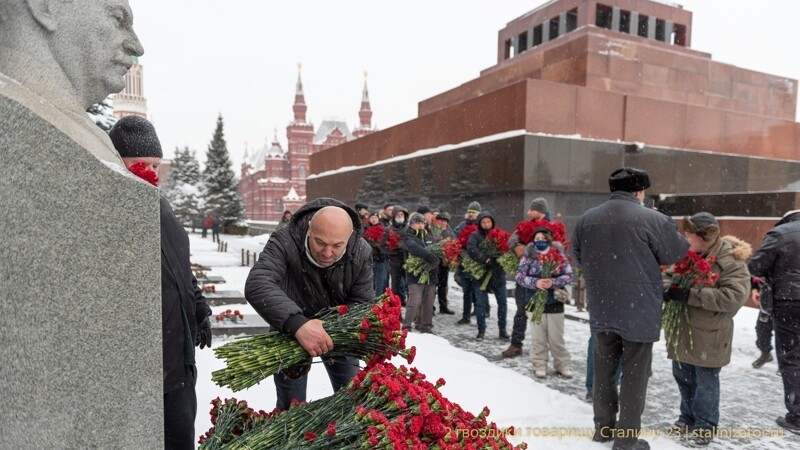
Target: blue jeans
[498,285]
[340,371]
[590,367]
[699,388]
[380,276]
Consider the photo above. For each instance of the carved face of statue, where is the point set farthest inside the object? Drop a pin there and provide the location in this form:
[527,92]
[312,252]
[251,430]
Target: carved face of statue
[94,43]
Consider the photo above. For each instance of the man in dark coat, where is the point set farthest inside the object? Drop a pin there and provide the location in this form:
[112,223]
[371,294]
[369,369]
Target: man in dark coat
[497,284]
[444,278]
[317,261]
[184,312]
[621,246]
[397,256]
[420,296]
[471,218]
[777,262]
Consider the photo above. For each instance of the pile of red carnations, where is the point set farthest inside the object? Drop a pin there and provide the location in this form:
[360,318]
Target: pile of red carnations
[367,331]
[232,316]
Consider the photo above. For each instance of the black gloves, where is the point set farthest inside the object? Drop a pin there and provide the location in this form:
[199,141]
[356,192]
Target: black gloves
[677,294]
[204,333]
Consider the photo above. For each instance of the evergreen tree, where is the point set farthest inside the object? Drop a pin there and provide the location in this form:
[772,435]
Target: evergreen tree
[220,193]
[103,114]
[183,188]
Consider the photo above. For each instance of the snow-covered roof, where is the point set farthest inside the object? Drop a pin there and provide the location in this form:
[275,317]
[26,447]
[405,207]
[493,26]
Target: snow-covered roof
[276,152]
[276,180]
[329,125]
[292,196]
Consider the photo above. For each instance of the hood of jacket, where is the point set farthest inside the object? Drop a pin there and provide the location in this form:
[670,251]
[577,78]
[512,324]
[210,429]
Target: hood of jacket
[483,215]
[792,216]
[400,210]
[740,250]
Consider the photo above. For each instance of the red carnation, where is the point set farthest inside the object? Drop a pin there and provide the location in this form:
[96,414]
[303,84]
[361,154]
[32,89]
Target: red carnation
[343,309]
[310,436]
[374,234]
[463,237]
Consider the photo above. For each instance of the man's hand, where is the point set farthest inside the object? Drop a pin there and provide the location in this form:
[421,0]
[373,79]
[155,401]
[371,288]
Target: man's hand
[313,338]
[756,295]
[544,284]
[677,295]
[204,333]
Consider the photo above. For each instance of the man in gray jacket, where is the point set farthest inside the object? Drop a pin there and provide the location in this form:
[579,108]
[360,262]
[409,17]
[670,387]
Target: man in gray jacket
[620,246]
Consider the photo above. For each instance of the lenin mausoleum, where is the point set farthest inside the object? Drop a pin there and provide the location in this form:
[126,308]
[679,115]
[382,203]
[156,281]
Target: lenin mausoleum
[581,88]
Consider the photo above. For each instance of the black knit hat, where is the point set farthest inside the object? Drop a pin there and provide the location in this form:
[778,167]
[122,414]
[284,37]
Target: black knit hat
[361,206]
[135,137]
[544,230]
[417,218]
[423,209]
[629,179]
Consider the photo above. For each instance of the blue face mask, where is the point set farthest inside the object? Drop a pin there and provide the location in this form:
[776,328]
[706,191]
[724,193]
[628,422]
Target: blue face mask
[541,246]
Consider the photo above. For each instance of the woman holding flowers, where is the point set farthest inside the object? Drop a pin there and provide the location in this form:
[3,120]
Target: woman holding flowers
[419,307]
[705,328]
[497,282]
[548,334]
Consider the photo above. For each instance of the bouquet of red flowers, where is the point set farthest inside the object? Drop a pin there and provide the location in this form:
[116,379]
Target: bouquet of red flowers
[374,235]
[382,407]
[233,316]
[525,231]
[394,241]
[367,331]
[494,246]
[463,237]
[447,251]
[550,262]
[437,227]
[693,270]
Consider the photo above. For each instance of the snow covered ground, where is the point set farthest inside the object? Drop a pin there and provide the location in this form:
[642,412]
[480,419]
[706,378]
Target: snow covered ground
[476,376]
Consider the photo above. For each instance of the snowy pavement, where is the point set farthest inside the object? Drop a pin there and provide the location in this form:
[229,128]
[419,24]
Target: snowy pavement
[477,376]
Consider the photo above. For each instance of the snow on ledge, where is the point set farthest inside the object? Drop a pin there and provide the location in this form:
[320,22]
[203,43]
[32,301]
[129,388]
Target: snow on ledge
[450,147]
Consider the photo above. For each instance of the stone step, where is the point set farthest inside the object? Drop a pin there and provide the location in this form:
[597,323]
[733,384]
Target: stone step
[211,279]
[221,298]
[251,324]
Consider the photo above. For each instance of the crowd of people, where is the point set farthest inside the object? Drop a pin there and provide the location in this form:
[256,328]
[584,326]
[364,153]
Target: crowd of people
[627,255]
[622,256]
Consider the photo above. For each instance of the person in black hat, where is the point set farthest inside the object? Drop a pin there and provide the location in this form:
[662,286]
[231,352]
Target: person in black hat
[185,314]
[363,211]
[621,246]
[419,305]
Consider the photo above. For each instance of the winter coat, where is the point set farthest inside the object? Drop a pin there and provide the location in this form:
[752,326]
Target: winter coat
[711,308]
[777,260]
[286,288]
[215,224]
[209,222]
[397,256]
[474,251]
[415,243]
[621,246]
[180,295]
[529,272]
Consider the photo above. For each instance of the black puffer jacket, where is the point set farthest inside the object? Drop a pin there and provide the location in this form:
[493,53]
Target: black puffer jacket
[474,242]
[178,289]
[397,256]
[778,258]
[286,289]
[415,243]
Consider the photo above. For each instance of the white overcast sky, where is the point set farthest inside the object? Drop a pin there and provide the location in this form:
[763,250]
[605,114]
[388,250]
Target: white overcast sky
[239,57]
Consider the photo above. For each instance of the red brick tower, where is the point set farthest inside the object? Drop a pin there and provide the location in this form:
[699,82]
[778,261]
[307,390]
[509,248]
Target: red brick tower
[364,114]
[300,135]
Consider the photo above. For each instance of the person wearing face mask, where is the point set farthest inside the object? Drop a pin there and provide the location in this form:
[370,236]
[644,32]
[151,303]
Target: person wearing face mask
[397,255]
[549,334]
[317,261]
